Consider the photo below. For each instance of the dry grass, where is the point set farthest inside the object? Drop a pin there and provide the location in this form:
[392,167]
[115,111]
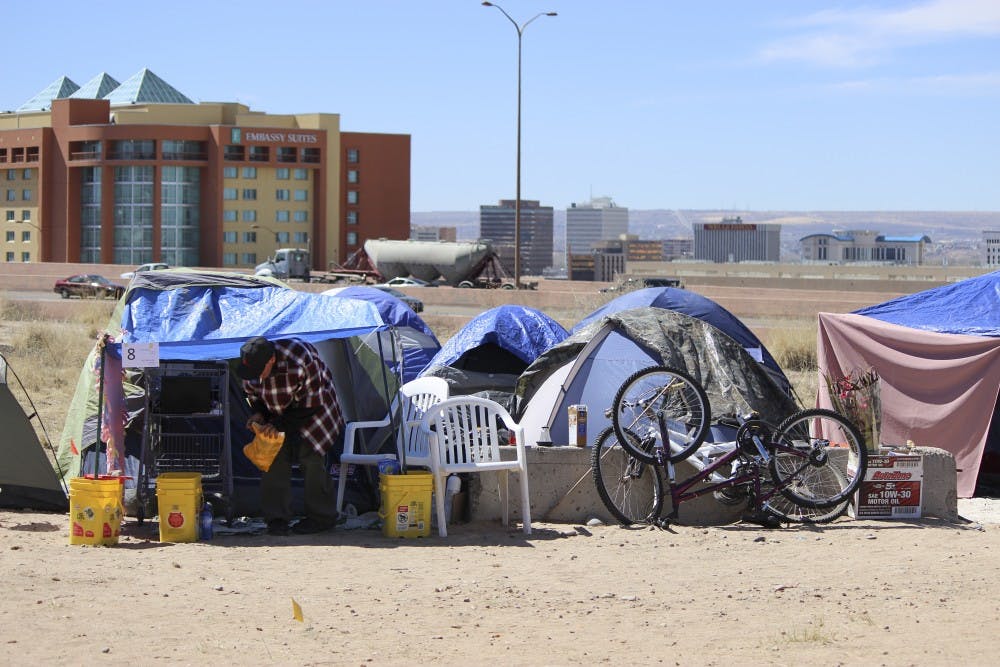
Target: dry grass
[45,353]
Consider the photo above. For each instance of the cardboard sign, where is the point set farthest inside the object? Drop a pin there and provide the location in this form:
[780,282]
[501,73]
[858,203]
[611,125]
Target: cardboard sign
[891,488]
[140,355]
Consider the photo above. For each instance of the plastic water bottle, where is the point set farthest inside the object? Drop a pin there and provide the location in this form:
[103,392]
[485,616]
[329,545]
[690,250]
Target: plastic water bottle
[452,487]
[205,519]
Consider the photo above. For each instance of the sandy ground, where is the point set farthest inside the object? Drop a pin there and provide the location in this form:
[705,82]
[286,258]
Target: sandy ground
[851,592]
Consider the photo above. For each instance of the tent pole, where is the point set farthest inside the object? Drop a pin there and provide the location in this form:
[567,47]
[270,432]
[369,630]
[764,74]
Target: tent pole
[100,411]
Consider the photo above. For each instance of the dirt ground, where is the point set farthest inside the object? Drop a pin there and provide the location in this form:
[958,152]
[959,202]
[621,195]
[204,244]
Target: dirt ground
[848,593]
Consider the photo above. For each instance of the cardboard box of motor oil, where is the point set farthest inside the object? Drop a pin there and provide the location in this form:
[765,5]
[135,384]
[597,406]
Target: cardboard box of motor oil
[891,488]
[577,425]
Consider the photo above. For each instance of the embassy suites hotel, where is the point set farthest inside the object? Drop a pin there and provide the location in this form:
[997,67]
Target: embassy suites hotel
[135,172]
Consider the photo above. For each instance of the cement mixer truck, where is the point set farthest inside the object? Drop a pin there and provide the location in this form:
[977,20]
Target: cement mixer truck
[459,264]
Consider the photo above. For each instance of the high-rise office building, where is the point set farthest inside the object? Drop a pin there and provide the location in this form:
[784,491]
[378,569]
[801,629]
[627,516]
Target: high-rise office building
[137,172]
[597,220]
[496,223]
[732,240]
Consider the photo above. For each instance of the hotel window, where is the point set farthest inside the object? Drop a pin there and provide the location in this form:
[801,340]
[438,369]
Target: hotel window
[233,153]
[11,175]
[352,175]
[229,237]
[282,195]
[249,216]
[25,236]
[352,155]
[26,175]
[352,238]
[301,195]
[310,155]
[249,258]
[281,216]
[229,259]
[249,237]
[10,215]
[301,174]
[286,154]
[282,237]
[301,237]
[302,216]
[12,195]
[352,196]
[352,217]
[229,216]
[25,214]
[281,173]
[260,153]
[25,256]
[229,172]
[10,257]
[249,172]
[230,194]
[26,195]
[10,237]
[250,193]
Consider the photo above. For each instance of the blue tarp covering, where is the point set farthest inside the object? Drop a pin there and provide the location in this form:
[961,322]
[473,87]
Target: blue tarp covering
[522,331]
[419,342]
[695,305]
[203,321]
[970,307]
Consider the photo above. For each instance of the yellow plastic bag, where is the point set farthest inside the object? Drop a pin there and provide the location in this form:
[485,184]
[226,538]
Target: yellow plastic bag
[262,450]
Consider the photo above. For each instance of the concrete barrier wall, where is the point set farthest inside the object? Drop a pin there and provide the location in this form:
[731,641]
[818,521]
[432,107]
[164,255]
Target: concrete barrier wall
[563,490]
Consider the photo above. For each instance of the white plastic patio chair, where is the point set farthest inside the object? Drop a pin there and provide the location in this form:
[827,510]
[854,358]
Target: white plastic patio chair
[411,402]
[464,436]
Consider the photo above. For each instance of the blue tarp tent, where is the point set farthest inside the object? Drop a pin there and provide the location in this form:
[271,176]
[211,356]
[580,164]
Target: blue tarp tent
[937,354]
[204,316]
[695,305]
[491,351]
[970,307]
[416,338]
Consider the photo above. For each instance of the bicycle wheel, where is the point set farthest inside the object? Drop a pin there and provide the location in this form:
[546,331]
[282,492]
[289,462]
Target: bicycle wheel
[794,513]
[818,458]
[660,400]
[630,489]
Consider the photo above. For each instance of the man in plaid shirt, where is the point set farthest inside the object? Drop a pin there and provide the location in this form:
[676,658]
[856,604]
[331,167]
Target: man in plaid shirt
[290,388]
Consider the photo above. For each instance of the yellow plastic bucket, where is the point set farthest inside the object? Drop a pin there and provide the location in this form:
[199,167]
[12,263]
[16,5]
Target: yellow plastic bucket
[95,510]
[406,504]
[178,499]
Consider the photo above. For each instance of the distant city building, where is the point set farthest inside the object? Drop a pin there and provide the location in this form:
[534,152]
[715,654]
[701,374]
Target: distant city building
[496,223]
[857,246]
[597,220]
[430,233]
[643,251]
[991,248]
[732,240]
[678,249]
[136,172]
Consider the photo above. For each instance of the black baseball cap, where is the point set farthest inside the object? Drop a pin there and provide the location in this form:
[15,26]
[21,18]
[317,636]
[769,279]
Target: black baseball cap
[254,355]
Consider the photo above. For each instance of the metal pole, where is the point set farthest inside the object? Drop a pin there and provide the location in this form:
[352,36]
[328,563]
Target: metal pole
[517,190]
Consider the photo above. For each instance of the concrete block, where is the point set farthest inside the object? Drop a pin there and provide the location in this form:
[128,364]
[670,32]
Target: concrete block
[563,490]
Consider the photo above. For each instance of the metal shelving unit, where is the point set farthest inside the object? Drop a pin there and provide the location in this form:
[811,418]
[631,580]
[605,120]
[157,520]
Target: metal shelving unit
[187,428]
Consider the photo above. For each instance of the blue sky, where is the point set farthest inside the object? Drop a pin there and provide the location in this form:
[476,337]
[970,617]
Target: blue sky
[717,104]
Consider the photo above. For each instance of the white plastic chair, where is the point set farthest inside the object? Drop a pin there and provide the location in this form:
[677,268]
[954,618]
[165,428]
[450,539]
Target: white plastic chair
[464,436]
[411,402]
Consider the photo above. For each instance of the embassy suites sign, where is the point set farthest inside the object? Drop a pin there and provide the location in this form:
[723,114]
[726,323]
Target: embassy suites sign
[240,135]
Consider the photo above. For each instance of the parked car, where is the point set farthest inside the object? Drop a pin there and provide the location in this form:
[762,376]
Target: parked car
[413,302]
[400,281]
[88,285]
[152,266]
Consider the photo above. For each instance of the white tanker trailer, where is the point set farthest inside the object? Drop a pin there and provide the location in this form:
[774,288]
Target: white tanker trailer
[460,264]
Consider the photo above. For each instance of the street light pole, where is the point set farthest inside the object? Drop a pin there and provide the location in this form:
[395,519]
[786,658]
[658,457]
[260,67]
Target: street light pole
[277,241]
[517,194]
